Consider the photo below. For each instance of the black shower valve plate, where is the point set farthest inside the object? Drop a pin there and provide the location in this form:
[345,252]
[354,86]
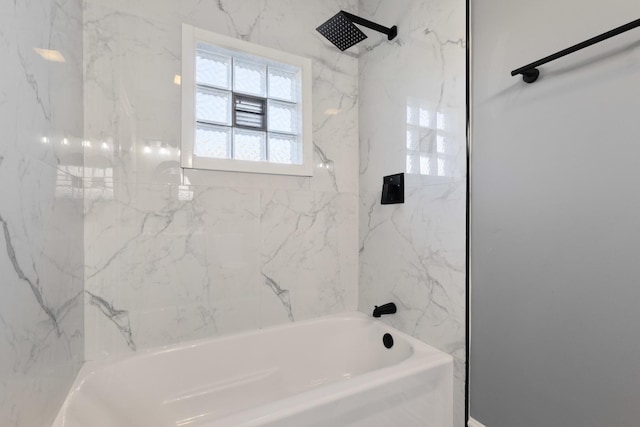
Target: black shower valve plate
[393,189]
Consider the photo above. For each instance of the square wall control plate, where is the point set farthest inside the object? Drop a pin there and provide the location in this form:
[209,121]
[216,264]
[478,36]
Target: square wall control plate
[393,189]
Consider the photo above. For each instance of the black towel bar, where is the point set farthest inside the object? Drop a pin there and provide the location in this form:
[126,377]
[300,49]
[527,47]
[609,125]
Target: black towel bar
[530,72]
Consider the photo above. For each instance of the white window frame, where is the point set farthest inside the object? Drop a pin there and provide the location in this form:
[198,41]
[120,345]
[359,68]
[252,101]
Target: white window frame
[190,37]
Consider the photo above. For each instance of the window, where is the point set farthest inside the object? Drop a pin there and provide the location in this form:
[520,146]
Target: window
[245,107]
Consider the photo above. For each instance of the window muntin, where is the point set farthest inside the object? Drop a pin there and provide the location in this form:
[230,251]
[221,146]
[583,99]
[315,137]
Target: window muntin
[251,107]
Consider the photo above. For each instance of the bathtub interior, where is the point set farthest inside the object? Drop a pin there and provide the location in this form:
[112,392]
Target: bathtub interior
[196,384]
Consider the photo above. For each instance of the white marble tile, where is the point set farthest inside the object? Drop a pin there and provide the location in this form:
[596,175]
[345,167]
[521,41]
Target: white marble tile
[412,120]
[335,111]
[304,271]
[131,53]
[40,99]
[174,255]
[188,269]
[239,19]
[41,260]
[415,257]
[131,101]
[423,70]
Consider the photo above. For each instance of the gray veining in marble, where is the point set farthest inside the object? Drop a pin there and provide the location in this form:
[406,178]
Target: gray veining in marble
[282,294]
[120,318]
[33,284]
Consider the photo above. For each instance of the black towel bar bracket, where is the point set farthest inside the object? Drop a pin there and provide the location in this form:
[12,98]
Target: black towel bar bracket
[530,72]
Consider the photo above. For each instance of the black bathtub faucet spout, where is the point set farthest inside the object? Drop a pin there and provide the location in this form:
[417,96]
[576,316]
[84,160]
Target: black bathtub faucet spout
[388,308]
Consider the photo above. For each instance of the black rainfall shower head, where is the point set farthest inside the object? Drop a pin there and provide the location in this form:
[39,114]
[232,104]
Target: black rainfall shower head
[342,32]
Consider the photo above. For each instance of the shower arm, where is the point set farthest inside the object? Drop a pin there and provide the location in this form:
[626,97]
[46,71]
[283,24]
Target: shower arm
[390,32]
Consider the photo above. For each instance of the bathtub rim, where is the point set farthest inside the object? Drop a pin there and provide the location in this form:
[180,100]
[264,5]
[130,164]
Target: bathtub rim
[170,348]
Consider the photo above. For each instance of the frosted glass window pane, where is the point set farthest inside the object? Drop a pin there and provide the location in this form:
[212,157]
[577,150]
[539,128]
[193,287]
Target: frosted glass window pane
[413,163]
[412,115]
[250,78]
[425,118]
[213,70]
[426,166]
[413,138]
[284,149]
[283,85]
[282,117]
[213,106]
[426,140]
[213,141]
[249,145]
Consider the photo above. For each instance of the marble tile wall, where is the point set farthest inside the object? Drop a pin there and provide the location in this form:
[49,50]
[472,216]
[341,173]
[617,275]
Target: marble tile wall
[412,120]
[41,208]
[172,256]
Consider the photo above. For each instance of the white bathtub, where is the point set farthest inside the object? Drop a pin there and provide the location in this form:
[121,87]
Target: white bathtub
[329,372]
